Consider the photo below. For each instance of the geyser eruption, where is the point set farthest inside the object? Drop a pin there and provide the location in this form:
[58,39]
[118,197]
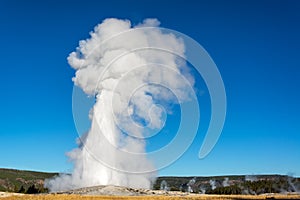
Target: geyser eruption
[131,71]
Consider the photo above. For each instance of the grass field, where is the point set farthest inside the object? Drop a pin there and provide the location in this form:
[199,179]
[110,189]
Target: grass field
[192,197]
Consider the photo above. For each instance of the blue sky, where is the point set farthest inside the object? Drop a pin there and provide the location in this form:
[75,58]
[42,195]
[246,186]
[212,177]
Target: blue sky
[255,45]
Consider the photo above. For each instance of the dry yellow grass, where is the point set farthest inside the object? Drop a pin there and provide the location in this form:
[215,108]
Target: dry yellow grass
[189,197]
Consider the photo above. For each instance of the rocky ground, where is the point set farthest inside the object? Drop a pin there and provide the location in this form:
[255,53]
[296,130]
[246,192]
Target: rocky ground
[110,190]
[121,191]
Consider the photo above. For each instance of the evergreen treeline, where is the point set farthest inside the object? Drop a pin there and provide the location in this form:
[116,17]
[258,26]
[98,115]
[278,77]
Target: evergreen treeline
[32,190]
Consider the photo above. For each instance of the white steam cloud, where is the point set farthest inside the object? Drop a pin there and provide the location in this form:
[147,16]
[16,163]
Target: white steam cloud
[128,82]
[191,184]
[225,183]
[212,184]
[164,186]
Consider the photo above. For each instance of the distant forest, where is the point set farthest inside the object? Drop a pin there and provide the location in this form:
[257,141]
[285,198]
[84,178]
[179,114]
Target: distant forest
[259,184]
[31,182]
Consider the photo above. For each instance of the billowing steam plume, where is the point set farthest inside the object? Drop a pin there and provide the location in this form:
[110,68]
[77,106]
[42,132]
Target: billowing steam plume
[112,66]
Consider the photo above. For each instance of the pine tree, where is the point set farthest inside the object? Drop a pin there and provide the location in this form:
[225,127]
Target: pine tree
[21,190]
[32,190]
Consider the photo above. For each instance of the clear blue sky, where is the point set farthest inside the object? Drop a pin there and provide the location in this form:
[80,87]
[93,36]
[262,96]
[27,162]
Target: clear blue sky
[255,44]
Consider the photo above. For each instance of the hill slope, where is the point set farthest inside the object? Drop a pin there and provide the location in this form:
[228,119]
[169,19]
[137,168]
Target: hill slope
[11,180]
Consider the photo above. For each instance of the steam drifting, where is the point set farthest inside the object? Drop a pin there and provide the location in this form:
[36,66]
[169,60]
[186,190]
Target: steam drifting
[130,70]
